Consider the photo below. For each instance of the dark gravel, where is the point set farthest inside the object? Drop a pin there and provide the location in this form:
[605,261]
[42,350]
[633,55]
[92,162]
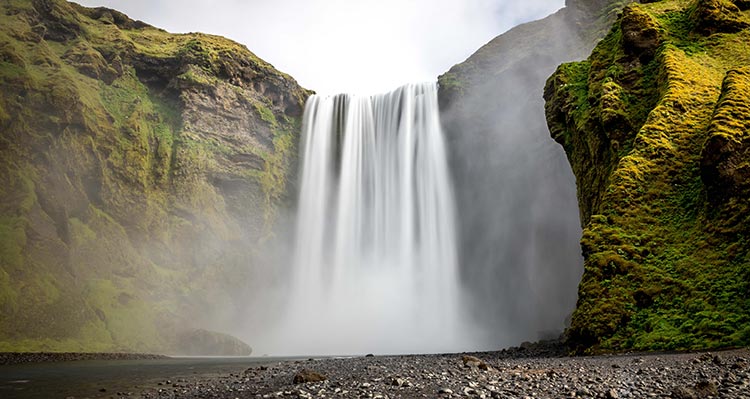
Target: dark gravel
[10,358]
[530,372]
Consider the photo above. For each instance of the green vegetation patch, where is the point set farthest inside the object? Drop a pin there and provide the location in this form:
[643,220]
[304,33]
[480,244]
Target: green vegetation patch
[666,267]
[115,219]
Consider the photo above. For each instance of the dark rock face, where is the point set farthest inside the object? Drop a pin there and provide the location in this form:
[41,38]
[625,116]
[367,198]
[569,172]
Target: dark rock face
[640,34]
[719,16]
[658,147]
[725,160]
[141,169]
[516,208]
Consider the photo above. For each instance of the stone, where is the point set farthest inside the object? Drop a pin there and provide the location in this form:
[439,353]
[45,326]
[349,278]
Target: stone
[395,381]
[706,388]
[640,33]
[472,361]
[718,16]
[307,375]
[683,393]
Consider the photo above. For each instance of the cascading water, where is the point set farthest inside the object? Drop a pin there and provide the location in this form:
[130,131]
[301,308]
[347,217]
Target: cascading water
[375,257]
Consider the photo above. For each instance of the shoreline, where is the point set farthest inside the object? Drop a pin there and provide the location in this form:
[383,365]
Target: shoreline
[501,374]
[16,358]
[539,370]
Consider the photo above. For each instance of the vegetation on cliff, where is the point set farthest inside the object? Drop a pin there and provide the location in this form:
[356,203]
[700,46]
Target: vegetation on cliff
[139,168]
[656,126]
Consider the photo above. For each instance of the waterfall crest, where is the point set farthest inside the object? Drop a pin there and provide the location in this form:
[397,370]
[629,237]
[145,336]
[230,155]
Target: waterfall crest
[375,254]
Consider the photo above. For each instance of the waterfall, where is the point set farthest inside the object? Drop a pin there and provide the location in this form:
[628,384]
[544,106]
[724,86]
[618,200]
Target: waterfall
[375,262]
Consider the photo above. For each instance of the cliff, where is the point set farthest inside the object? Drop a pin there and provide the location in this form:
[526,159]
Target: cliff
[655,125]
[140,170]
[517,209]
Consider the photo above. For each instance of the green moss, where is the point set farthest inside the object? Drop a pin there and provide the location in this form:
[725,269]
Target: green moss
[662,271]
[80,232]
[8,293]
[273,178]
[12,242]
[129,319]
[196,76]
[450,83]
[110,200]
[265,114]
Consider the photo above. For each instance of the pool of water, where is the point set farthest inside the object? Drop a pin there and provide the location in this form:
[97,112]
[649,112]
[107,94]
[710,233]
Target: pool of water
[105,378]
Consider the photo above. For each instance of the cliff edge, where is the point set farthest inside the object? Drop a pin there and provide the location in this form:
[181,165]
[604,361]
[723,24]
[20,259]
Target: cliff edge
[655,125]
[140,170]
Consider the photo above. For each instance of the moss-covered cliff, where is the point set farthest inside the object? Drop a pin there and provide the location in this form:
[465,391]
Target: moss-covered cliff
[139,169]
[656,125]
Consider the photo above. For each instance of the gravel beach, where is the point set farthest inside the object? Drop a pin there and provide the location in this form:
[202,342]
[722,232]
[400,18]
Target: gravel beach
[11,358]
[531,372]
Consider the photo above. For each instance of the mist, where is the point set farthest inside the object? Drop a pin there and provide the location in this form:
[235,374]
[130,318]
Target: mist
[518,228]
[516,198]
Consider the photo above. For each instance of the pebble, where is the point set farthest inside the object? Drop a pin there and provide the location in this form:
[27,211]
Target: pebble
[510,374]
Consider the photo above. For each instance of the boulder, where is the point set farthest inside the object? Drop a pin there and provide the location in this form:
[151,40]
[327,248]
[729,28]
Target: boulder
[471,362]
[307,375]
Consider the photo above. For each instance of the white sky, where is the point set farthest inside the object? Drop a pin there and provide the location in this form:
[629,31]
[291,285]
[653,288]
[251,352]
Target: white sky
[356,46]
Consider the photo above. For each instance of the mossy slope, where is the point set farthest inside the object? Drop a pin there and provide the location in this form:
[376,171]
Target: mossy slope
[138,168]
[655,125]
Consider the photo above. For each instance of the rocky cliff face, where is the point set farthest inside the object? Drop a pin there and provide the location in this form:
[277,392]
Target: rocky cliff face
[139,171]
[517,209]
[655,125]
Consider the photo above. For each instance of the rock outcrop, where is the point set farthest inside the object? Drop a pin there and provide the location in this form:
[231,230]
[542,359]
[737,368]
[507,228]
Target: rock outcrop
[200,342]
[655,125]
[517,211]
[139,171]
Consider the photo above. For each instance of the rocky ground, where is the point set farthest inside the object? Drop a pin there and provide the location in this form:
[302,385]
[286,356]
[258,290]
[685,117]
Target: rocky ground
[532,372]
[11,358]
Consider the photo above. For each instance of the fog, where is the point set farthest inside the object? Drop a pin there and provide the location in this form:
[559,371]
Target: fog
[518,230]
[516,196]
[518,224]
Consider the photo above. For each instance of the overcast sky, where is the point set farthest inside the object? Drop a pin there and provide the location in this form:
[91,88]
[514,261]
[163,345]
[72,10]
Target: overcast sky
[356,46]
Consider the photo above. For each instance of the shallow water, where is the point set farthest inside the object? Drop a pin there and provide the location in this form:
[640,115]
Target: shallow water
[86,379]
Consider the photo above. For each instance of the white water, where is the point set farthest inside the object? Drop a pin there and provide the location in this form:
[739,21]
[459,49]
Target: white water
[375,257]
